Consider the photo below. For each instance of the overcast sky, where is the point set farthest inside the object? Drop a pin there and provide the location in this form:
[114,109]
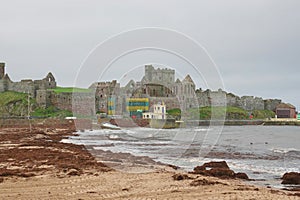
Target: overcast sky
[255,44]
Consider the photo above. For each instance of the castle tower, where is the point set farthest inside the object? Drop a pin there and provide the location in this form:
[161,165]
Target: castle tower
[2,70]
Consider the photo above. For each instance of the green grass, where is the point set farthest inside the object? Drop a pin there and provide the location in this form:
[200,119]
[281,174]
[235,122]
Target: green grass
[51,112]
[15,104]
[229,113]
[174,113]
[263,114]
[11,97]
[70,90]
[219,112]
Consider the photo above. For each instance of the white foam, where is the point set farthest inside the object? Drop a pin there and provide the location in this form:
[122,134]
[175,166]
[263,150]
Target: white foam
[283,150]
[113,137]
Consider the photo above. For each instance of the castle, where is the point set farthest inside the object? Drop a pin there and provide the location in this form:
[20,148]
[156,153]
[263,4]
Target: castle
[157,85]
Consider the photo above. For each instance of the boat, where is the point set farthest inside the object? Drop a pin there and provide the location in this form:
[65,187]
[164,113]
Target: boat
[107,125]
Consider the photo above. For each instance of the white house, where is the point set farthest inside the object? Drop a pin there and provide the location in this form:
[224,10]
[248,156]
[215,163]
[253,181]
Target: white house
[159,112]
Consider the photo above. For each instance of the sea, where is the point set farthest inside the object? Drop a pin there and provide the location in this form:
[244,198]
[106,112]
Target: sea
[264,153]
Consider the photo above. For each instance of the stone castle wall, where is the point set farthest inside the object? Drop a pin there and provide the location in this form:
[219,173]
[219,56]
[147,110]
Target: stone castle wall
[43,98]
[152,75]
[2,70]
[80,103]
[83,104]
[25,86]
[3,86]
[62,101]
[221,98]
[270,104]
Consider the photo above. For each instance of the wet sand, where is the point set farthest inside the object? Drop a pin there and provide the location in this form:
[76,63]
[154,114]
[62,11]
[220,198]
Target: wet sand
[36,165]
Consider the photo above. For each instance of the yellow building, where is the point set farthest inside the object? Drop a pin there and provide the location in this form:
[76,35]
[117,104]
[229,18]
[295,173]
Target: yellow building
[136,106]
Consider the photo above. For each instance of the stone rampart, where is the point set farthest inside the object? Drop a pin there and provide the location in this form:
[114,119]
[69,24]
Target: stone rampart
[221,98]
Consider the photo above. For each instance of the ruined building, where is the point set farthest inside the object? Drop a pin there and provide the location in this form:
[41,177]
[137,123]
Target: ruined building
[27,85]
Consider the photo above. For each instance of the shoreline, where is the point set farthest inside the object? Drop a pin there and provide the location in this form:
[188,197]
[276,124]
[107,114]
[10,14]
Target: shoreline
[127,162]
[243,122]
[37,165]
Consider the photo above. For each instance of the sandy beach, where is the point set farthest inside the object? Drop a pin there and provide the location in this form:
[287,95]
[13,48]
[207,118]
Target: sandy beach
[36,165]
[117,185]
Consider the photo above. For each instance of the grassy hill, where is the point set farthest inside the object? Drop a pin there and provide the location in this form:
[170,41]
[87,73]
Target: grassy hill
[51,112]
[15,104]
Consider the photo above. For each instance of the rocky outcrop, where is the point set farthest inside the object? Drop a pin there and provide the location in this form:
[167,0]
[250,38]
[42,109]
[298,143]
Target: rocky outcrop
[218,169]
[241,175]
[292,178]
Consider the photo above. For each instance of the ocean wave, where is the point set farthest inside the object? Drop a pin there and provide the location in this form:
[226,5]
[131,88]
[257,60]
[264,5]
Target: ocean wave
[286,150]
[201,129]
[261,168]
[113,137]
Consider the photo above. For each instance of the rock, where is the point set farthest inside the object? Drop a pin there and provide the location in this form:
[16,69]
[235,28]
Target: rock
[221,164]
[218,169]
[200,182]
[199,170]
[179,177]
[221,173]
[1,179]
[173,166]
[291,178]
[40,136]
[241,175]
[73,172]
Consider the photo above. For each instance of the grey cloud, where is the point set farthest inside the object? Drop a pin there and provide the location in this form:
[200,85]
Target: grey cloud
[254,43]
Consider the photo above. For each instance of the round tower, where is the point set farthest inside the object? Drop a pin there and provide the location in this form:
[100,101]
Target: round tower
[2,70]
